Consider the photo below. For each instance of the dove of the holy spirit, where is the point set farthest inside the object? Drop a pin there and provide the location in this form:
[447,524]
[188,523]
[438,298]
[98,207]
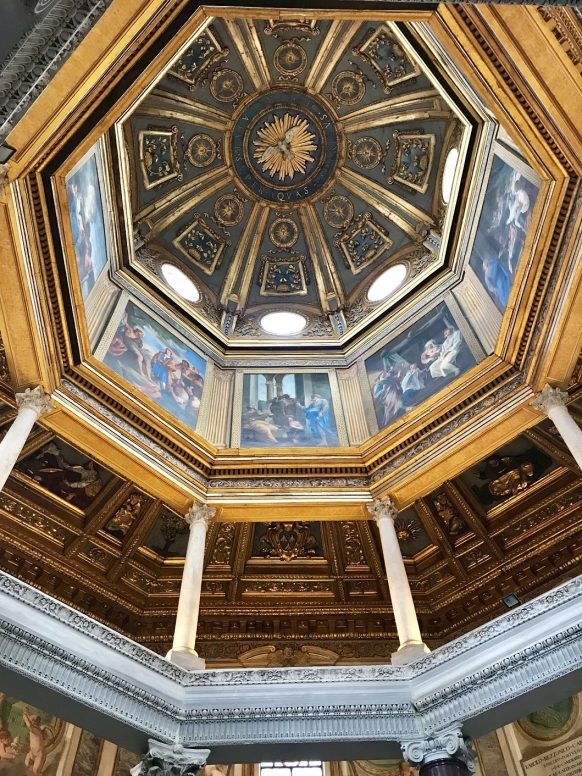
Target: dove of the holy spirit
[284,146]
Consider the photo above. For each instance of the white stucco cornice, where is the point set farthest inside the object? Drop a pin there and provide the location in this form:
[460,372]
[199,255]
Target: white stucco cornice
[525,659]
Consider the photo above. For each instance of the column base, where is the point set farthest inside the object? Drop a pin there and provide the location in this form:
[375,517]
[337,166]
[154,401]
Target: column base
[188,660]
[409,653]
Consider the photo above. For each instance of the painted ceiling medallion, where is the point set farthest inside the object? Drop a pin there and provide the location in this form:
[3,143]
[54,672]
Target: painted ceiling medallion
[338,212]
[284,146]
[366,153]
[228,210]
[201,151]
[226,85]
[283,233]
[290,59]
[348,88]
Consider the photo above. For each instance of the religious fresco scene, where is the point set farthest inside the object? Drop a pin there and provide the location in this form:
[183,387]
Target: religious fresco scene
[286,410]
[65,472]
[87,222]
[150,357]
[417,364]
[503,227]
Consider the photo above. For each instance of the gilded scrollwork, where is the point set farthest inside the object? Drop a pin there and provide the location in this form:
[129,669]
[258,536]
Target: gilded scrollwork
[364,243]
[387,57]
[158,154]
[413,160]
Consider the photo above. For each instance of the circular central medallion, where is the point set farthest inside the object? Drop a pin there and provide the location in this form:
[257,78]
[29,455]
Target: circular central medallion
[284,147]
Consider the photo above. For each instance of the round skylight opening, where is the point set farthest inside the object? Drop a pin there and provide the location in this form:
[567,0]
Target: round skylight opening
[387,283]
[180,283]
[449,174]
[284,323]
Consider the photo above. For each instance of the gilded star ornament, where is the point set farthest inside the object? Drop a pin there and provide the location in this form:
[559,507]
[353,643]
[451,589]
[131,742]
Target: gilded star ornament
[201,150]
[284,146]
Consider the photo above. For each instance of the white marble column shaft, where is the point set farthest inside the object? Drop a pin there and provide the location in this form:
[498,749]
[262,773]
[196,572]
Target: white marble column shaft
[411,645]
[552,401]
[183,652]
[31,405]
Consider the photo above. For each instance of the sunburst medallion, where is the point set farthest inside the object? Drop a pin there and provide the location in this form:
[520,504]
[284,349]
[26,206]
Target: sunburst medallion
[284,146]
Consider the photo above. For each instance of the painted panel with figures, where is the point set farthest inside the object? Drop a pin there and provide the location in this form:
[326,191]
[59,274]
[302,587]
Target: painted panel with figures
[156,362]
[416,364]
[85,197]
[502,230]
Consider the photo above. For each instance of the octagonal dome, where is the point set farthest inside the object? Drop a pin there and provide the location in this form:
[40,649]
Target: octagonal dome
[285,166]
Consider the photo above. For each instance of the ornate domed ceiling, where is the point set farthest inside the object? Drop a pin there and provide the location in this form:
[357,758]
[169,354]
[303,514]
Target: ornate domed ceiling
[286,165]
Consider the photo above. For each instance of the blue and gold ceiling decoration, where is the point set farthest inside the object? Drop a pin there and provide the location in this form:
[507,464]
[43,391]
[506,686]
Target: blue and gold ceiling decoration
[291,163]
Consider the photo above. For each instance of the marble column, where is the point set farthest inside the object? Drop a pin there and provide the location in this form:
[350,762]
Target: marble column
[170,760]
[411,645]
[31,405]
[183,652]
[446,753]
[553,402]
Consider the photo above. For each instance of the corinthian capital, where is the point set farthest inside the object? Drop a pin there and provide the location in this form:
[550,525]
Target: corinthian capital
[200,513]
[167,760]
[549,398]
[381,508]
[34,399]
[446,744]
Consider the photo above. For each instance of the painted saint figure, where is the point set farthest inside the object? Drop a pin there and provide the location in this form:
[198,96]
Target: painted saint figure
[319,420]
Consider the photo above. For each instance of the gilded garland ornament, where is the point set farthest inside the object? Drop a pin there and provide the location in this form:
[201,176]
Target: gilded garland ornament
[366,153]
[228,210]
[290,59]
[226,85]
[283,233]
[348,88]
[338,212]
[284,146]
[201,151]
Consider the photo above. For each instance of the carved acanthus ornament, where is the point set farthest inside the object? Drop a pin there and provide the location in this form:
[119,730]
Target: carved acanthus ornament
[34,399]
[166,760]
[446,744]
[383,508]
[200,513]
[550,398]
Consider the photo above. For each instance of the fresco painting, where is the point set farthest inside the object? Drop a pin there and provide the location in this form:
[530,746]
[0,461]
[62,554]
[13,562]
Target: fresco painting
[157,363]
[503,225]
[416,364]
[65,472]
[87,223]
[31,741]
[287,410]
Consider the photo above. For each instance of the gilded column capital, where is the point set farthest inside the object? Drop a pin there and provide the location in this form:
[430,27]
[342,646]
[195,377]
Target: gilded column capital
[199,513]
[446,744]
[167,760]
[381,508]
[34,399]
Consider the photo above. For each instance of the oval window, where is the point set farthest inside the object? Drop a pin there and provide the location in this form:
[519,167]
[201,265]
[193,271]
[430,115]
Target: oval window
[449,174]
[283,323]
[387,283]
[180,283]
